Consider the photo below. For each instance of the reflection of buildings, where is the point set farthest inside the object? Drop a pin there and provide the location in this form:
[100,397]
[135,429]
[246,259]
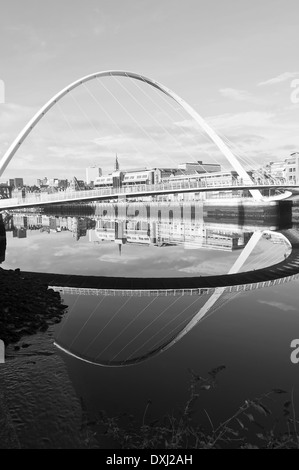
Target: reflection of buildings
[78,226]
[164,225]
[189,224]
[19,233]
[21,223]
[200,236]
[123,231]
[195,235]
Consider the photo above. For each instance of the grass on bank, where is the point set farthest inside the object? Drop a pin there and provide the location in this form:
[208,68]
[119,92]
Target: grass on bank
[252,426]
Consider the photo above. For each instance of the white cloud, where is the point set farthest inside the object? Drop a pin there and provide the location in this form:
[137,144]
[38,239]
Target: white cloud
[99,30]
[259,134]
[12,114]
[280,78]
[231,121]
[279,305]
[269,134]
[112,259]
[249,119]
[238,95]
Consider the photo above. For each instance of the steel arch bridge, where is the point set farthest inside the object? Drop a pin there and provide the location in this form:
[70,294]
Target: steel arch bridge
[192,113]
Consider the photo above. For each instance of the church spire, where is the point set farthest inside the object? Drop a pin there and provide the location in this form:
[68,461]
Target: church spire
[116,164]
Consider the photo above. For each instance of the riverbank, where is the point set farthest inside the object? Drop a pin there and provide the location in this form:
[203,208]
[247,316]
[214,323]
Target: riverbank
[27,306]
[39,408]
[36,393]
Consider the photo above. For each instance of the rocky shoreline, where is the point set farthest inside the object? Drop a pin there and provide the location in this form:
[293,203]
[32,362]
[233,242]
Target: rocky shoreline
[35,390]
[27,306]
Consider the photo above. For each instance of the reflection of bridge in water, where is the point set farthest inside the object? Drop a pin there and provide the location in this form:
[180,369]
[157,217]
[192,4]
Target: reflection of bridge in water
[172,292]
[133,319]
[127,286]
[186,309]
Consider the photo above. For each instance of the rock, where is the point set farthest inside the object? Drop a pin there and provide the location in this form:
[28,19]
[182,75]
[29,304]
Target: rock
[26,306]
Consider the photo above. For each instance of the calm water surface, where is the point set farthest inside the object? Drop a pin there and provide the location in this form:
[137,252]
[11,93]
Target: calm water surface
[115,352]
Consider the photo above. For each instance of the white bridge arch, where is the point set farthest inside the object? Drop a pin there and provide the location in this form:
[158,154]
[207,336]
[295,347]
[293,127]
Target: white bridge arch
[203,124]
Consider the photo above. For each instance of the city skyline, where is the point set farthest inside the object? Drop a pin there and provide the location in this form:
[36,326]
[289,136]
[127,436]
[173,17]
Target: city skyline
[233,62]
[286,169]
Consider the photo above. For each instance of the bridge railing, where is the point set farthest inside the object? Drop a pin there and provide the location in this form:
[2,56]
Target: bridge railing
[172,292]
[142,188]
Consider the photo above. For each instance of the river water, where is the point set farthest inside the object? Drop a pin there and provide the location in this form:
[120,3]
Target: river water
[131,350]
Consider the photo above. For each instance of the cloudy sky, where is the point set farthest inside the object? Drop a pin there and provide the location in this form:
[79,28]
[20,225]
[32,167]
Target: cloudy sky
[234,61]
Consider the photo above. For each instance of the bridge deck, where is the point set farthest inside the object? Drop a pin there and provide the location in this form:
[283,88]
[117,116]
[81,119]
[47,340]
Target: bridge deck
[41,199]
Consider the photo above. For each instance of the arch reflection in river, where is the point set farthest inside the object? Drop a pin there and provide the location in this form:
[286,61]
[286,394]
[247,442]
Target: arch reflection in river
[140,239]
[125,330]
[131,318]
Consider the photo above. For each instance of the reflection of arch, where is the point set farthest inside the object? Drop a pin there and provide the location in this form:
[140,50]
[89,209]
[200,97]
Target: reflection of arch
[129,362]
[284,270]
[192,113]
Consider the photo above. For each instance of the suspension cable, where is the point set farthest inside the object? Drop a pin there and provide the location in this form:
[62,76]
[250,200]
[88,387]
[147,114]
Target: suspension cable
[85,323]
[125,328]
[105,326]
